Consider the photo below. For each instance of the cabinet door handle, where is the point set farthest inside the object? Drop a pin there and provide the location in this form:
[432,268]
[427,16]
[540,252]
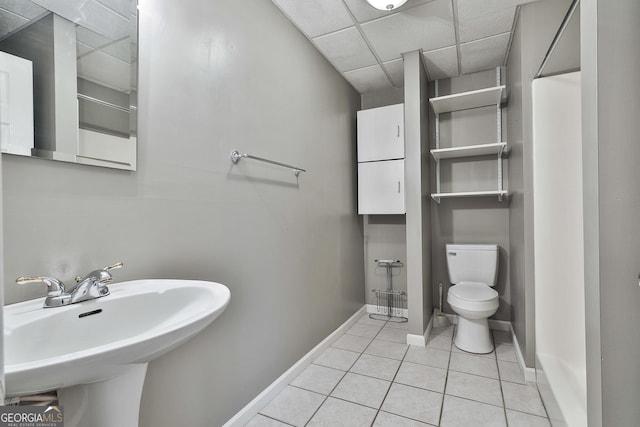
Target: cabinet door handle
[398,187]
[398,131]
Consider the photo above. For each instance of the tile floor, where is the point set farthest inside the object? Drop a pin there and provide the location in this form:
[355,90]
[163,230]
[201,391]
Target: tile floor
[371,377]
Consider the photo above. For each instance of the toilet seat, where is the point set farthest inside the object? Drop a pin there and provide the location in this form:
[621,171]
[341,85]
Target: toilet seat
[473,296]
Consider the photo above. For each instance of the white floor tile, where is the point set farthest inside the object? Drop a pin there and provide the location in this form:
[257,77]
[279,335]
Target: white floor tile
[337,358]
[385,419]
[415,403]
[428,356]
[511,372]
[502,337]
[364,330]
[519,419]
[506,352]
[338,413]
[362,390]
[318,378]
[445,330]
[397,325]
[392,350]
[352,343]
[422,376]
[457,412]
[392,334]
[473,364]
[473,387]
[369,321]
[374,378]
[523,398]
[441,342]
[293,406]
[491,355]
[378,367]
[262,421]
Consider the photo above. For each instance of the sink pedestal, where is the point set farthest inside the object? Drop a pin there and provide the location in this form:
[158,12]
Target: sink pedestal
[107,403]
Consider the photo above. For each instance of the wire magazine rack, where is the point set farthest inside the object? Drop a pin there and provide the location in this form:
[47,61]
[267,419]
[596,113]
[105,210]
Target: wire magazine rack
[389,303]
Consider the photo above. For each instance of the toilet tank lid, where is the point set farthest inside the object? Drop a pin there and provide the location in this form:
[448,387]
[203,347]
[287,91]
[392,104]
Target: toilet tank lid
[463,247]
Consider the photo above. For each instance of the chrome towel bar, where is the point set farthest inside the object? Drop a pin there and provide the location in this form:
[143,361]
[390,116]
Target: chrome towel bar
[236,156]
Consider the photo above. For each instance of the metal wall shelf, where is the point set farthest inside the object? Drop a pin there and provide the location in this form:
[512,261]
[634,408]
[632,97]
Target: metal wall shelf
[470,150]
[472,99]
[493,193]
[492,96]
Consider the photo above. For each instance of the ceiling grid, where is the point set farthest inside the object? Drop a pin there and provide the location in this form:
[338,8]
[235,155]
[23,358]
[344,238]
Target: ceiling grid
[366,45]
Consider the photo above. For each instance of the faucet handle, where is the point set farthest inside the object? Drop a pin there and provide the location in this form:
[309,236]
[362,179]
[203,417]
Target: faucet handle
[56,287]
[114,266]
[101,275]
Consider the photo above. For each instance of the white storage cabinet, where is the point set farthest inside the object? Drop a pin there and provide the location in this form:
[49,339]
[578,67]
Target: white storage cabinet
[381,187]
[381,133]
[381,160]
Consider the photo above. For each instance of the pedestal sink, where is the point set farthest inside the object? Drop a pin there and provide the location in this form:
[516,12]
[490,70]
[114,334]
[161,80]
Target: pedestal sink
[95,353]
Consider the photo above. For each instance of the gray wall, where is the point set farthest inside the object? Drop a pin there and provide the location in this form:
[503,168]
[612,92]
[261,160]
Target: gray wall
[611,101]
[476,219]
[536,26]
[291,251]
[416,172]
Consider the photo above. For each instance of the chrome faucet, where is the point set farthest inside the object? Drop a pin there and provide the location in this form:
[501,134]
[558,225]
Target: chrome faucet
[93,285]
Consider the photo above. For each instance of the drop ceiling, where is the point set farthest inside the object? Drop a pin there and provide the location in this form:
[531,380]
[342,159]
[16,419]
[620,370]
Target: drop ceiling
[366,45]
[103,34]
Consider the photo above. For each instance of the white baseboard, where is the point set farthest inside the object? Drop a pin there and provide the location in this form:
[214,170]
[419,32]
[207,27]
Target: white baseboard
[421,340]
[500,325]
[252,409]
[529,373]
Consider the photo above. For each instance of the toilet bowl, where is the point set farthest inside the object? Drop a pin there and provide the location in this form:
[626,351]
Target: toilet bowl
[473,270]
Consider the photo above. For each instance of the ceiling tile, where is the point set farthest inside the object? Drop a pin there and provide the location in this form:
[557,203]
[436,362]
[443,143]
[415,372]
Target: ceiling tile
[90,38]
[442,63]
[427,27]
[123,7]
[314,17]
[10,22]
[23,8]
[364,12]
[486,24]
[346,49]
[395,69]
[90,14]
[368,79]
[104,69]
[473,8]
[120,49]
[484,54]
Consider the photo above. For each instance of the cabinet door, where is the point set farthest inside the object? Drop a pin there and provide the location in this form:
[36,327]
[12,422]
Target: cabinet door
[381,187]
[381,133]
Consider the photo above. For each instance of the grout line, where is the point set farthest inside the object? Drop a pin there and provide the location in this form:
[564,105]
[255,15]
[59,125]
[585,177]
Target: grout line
[504,404]
[446,379]
[543,405]
[275,419]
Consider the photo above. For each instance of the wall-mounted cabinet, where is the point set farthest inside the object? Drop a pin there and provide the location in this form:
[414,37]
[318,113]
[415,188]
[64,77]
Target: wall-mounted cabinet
[492,96]
[381,187]
[381,160]
[381,133]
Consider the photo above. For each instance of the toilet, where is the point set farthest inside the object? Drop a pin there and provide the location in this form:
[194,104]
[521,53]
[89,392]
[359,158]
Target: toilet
[472,271]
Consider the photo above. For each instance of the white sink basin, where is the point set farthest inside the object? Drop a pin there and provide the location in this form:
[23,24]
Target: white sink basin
[55,348]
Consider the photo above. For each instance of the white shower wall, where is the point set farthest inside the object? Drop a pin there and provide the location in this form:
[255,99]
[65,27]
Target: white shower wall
[559,241]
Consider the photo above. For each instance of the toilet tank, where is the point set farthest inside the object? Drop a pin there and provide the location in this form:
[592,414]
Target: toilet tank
[472,263]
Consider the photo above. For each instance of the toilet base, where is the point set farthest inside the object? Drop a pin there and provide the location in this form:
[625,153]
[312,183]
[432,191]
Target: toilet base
[473,335]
